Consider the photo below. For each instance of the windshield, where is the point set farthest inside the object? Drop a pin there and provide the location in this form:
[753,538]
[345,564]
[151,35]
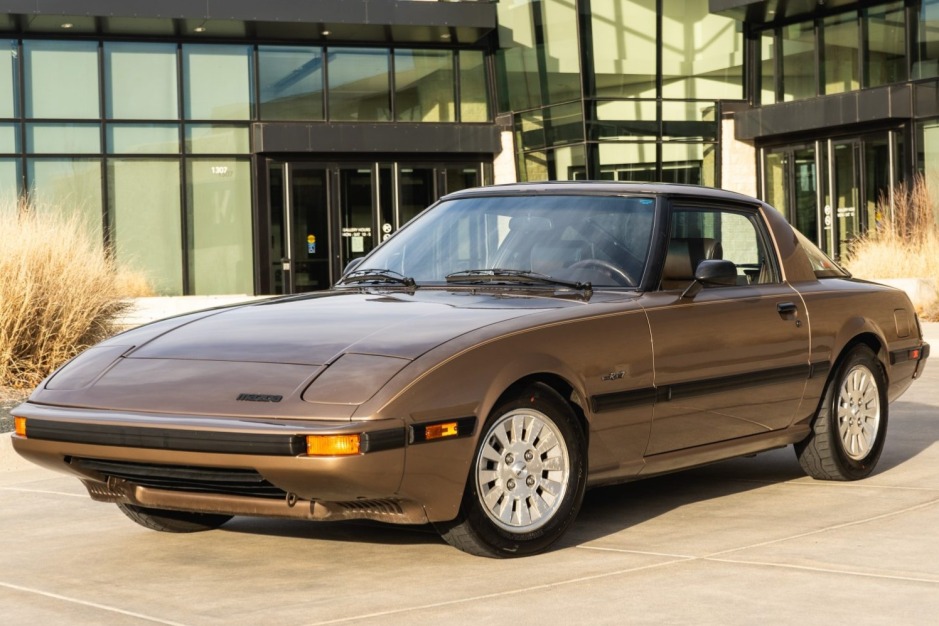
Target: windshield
[600,241]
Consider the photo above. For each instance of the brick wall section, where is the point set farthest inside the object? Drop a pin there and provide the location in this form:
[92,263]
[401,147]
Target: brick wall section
[738,161]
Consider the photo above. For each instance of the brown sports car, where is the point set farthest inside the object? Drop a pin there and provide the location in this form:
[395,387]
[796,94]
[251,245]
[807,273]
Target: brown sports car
[504,351]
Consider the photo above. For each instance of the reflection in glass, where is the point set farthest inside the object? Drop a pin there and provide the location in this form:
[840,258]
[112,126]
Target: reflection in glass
[424,86]
[219,224]
[140,81]
[539,52]
[775,176]
[798,61]
[68,187]
[885,53]
[8,78]
[145,222]
[702,53]
[9,183]
[462,178]
[768,68]
[628,161]
[805,192]
[217,82]
[63,138]
[840,55]
[626,119]
[9,138]
[291,83]
[926,52]
[359,88]
[690,120]
[216,139]
[553,126]
[61,79]
[624,48]
[474,88]
[143,138]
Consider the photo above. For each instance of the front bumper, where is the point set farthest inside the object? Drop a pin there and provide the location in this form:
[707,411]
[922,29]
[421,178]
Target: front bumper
[223,465]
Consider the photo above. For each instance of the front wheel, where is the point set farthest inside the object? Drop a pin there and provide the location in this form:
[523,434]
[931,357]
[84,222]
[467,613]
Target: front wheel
[527,479]
[851,425]
[173,521]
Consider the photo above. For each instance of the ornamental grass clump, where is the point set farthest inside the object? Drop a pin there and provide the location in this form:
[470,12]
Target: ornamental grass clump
[59,293]
[904,244]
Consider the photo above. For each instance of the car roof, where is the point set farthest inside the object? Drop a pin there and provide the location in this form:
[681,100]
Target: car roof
[605,187]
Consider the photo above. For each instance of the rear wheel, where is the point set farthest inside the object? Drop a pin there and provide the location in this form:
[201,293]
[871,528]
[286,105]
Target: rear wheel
[851,425]
[168,521]
[527,479]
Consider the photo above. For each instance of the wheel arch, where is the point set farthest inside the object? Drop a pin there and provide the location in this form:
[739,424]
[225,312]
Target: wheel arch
[565,389]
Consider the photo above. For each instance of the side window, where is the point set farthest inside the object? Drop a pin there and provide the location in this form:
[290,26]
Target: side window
[698,234]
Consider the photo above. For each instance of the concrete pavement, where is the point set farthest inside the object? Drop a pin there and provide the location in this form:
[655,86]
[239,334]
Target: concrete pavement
[739,542]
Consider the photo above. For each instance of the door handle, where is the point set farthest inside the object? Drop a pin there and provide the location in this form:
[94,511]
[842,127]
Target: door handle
[787,310]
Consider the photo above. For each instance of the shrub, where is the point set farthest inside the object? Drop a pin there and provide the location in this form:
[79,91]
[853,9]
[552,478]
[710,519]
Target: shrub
[59,293]
[905,244]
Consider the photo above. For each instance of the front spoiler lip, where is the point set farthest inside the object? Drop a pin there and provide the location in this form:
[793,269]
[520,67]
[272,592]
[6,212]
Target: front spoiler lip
[388,510]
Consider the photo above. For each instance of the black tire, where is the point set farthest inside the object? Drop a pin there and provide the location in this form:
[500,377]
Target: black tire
[518,468]
[851,424]
[173,521]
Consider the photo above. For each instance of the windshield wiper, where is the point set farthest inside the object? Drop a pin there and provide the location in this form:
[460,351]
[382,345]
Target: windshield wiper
[497,275]
[371,275]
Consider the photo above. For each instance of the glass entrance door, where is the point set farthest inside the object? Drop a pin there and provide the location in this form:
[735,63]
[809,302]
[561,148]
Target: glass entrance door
[841,219]
[299,228]
[322,215]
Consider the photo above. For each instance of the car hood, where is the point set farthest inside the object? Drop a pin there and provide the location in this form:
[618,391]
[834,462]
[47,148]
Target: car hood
[315,330]
[262,359]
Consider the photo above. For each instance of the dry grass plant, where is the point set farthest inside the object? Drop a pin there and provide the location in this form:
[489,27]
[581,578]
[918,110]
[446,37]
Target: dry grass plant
[59,293]
[904,246]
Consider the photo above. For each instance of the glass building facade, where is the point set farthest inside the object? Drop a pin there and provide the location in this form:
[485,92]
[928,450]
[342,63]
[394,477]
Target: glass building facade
[843,108]
[262,152]
[618,90]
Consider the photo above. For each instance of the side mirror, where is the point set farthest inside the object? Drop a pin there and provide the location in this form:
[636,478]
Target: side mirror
[712,273]
[716,272]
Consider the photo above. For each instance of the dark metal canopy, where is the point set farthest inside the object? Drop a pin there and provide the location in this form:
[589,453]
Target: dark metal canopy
[380,21]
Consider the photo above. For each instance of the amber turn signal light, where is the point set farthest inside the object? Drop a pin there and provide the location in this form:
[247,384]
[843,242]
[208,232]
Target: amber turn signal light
[19,426]
[439,431]
[332,445]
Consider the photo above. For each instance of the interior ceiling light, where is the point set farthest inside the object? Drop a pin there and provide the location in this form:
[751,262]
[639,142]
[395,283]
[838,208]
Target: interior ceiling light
[67,25]
[325,33]
[445,36]
[200,28]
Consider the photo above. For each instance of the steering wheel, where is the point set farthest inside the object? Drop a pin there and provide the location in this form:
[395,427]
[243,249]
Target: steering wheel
[614,272]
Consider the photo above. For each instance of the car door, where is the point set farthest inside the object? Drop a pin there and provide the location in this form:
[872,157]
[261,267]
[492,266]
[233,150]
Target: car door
[730,360]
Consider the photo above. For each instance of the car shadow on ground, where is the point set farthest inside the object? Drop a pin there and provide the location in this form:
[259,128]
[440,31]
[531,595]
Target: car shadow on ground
[608,510]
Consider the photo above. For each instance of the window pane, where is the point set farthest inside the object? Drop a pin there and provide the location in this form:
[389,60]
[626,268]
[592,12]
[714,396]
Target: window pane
[143,138]
[841,53]
[690,163]
[768,68]
[143,199]
[696,120]
[140,81]
[626,119]
[9,138]
[8,82]
[424,86]
[886,45]
[219,219]
[358,85]
[628,161]
[217,82]
[291,83]
[68,186]
[63,138]
[702,54]
[624,48]
[550,127]
[61,79]
[211,139]
[474,89]
[798,50]
[9,183]
[926,64]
